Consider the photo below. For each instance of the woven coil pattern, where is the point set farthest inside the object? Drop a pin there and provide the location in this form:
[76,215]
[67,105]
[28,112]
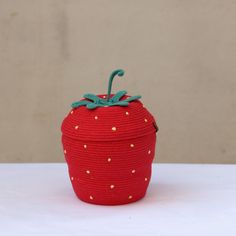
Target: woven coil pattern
[109,152]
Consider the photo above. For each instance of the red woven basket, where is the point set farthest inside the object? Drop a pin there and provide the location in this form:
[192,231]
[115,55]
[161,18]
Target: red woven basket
[109,148]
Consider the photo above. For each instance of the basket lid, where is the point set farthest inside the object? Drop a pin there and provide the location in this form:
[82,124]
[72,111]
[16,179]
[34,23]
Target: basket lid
[109,123]
[108,117]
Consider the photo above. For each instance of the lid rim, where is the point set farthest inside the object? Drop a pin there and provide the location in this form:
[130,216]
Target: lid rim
[109,139]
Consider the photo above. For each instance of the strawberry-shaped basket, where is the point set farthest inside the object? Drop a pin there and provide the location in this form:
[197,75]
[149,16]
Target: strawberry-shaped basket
[109,145]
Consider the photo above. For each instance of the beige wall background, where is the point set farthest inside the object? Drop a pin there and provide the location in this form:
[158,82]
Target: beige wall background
[179,55]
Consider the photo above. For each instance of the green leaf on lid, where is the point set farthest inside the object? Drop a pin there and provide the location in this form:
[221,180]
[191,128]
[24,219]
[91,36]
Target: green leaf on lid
[93,101]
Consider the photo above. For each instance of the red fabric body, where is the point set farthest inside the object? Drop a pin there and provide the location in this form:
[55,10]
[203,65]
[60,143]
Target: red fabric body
[109,152]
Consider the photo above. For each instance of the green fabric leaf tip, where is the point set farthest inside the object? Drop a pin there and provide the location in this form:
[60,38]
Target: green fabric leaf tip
[92,101]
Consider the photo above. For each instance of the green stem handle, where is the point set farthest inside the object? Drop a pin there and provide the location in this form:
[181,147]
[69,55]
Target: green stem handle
[113,74]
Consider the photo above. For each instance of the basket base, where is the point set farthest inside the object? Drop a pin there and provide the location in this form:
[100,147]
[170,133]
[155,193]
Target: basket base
[112,203]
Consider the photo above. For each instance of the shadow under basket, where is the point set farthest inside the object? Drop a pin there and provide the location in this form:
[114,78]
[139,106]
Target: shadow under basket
[109,152]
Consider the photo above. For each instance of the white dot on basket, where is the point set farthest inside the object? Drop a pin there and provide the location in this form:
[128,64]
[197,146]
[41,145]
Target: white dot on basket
[109,159]
[88,172]
[91,197]
[127,113]
[85,146]
[76,127]
[130,196]
[65,151]
[149,152]
[112,186]
[133,171]
[72,178]
[113,128]
[146,179]
[145,120]
[132,145]
[95,117]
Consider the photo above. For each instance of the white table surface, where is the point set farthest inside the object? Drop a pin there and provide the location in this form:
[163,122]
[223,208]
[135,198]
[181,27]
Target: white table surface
[37,199]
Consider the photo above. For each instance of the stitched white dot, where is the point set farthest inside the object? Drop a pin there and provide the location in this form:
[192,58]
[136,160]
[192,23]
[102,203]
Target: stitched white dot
[109,159]
[145,179]
[133,171]
[91,197]
[76,127]
[65,151]
[127,113]
[113,128]
[104,96]
[130,196]
[149,152]
[88,172]
[132,145]
[112,186]
[145,120]
[85,146]
[72,112]
[72,178]
[95,117]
